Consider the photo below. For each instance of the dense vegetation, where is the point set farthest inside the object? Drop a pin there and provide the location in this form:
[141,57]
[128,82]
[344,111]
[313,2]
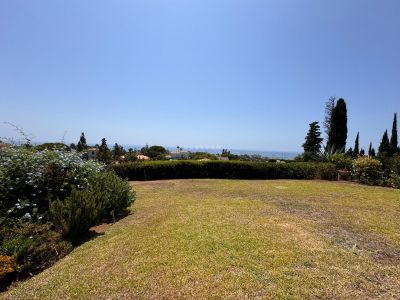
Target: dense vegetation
[154,170]
[48,201]
[369,168]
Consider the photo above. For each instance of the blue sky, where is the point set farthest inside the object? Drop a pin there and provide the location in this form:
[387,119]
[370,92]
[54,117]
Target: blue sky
[223,73]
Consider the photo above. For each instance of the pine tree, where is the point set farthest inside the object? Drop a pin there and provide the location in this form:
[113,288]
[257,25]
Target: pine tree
[104,154]
[393,138]
[313,139]
[371,150]
[82,143]
[356,150]
[384,147]
[338,133]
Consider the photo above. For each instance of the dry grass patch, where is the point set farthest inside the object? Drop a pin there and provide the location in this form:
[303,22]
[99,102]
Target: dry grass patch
[233,239]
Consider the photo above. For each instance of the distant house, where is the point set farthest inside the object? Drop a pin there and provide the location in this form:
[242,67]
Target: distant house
[142,157]
[91,152]
[223,158]
[180,154]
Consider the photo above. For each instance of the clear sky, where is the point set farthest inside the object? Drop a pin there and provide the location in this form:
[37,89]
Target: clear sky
[210,73]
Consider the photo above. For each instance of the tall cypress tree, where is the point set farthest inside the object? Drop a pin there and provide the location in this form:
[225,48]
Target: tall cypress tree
[82,143]
[371,150]
[338,134]
[356,150]
[384,147]
[393,138]
[313,139]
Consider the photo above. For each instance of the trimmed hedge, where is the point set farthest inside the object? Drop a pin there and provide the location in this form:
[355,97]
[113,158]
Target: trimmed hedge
[155,170]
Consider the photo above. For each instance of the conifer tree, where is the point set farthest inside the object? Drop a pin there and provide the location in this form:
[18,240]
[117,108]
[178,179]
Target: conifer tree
[362,152]
[313,139]
[82,143]
[371,150]
[393,138]
[384,147]
[338,131]
[104,154]
[356,150]
[329,106]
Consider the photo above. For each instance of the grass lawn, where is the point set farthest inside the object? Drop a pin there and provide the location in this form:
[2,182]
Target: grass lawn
[276,239]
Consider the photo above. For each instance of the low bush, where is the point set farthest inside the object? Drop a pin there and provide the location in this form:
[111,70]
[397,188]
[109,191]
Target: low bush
[75,214]
[368,170]
[117,192]
[155,170]
[342,161]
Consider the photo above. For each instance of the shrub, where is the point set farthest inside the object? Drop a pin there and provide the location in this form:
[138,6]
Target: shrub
[78,212]
[342,161]
[29,178]
[224,169]
[118,193]
[367,170]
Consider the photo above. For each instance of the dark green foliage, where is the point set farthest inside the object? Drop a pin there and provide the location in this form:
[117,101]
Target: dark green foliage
[117,151]
[371,151]
[104,154]
[384,147]
[154,152]
[338,130]
[393,138]
[78,212]
[155,170]
[117,192]
[313,141]
[356,151]
[228,154]
[362,152]
[131,155]
[81,146]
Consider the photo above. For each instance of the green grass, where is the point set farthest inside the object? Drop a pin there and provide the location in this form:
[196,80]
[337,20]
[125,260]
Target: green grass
[217,239]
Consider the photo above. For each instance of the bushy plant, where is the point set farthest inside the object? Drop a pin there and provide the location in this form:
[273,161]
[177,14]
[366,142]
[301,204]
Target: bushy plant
[367,170]
[342,161]
[29,178]
[75,214]
[117,192]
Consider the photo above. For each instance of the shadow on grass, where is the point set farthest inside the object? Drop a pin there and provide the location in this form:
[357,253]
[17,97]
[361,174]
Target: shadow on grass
[12,279]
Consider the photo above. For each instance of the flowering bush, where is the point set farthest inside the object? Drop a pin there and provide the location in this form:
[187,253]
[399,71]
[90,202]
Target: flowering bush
[29,178]
[368,170]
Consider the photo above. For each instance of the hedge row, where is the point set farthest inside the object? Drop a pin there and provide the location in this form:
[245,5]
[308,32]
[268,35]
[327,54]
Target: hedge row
[155,170]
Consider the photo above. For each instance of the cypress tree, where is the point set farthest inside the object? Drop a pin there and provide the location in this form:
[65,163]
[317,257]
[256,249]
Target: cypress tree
[371,151]
[338,131]
[362,152]
[82,143]
[104,154]
[356,150]
[393,138]
[313,139]
[384,147]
